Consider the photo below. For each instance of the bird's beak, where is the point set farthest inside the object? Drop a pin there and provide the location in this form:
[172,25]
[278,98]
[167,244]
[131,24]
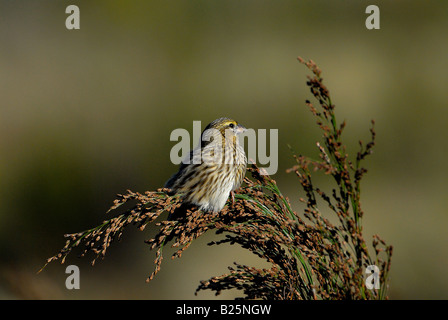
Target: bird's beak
[240,129]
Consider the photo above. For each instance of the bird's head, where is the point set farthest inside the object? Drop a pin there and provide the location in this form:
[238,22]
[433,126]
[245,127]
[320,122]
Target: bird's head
[226,127]
[223,124]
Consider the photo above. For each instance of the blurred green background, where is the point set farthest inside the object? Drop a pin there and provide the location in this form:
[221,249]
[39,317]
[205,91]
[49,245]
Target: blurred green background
[86,114]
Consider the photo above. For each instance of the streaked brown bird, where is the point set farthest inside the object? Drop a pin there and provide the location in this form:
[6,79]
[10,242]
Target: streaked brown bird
[214,169]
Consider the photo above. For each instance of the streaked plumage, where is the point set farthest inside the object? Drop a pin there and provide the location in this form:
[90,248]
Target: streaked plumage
[214,169]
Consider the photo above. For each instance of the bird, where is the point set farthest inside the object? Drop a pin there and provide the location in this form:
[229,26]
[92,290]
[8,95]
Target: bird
[214,169]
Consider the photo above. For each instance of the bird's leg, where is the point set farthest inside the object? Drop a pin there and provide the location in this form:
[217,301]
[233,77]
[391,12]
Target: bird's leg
[233,198]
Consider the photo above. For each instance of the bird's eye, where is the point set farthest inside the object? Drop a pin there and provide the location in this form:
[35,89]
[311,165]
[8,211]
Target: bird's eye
[231,125]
